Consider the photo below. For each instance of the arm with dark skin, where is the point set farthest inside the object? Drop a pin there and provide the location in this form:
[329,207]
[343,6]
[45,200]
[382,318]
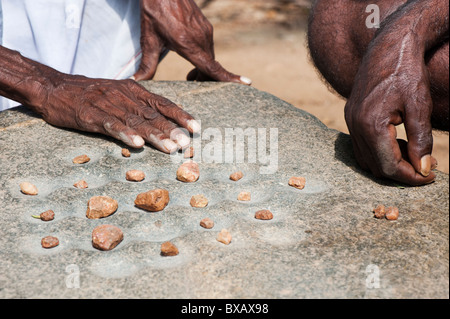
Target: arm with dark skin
[180,26]
[392,86]
[121,109]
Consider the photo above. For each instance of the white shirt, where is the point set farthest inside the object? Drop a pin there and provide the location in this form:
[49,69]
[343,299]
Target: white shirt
[95,38]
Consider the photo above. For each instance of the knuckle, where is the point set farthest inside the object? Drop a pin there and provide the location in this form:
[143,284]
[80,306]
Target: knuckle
[133,120]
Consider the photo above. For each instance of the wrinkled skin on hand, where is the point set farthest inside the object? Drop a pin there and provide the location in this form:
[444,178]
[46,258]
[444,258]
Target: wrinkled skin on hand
[180,26]
[392,75]
[121,109]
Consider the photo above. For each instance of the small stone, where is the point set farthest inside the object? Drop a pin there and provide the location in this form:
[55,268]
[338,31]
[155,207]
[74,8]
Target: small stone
[189,152]
[199,201]
[100,207]
[28,188]
[297,182]
[392,213]
[81,159]
[46,216]
[153,201]
[81,184]
[49,242]
[224,237]
[264,214]
[379,212]
[244,196]
[207,223]
[236,176]
[126,152]
[169,249]
[135,175]
[106,237]
[188,172]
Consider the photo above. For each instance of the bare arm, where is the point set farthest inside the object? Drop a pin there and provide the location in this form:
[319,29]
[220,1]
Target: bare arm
[392,87]
[121,109]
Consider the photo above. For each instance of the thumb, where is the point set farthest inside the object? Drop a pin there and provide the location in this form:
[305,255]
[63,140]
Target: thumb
[420,138]
[147,67]
[151,51]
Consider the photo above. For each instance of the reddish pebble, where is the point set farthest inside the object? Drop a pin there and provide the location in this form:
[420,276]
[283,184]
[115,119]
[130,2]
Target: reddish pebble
[236,176]
[106,237]
[189,152]
[264,214]
[188,172]
[28,188]
[49,242]
[199,201]
[169,249]
[47,215]
[135,175]
[244,196]
[153,201]
[126,152]
[379,212]
[207,223]
[297,182]
[392,213]
[81,159]
[100,207]
[224,237]
[81,184]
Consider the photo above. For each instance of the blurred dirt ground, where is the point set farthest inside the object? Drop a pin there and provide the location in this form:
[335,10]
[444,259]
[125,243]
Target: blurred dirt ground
[265,40]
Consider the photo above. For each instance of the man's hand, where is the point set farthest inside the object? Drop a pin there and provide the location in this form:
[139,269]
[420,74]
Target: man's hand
[180,26]
[392,87]
[121,109]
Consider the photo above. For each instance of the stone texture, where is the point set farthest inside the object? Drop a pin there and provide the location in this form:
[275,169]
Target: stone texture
[81,184]
[199,201]
[49,242]
[264,214]
[106,237]
[224,237]
[207,223]
[81,159]
[153,200]
[46,216]
[28,188]
[101,207]
[323,243]
[236,176]
[169,249]
[188,172]
[297,182]
[135,175]
[244,196]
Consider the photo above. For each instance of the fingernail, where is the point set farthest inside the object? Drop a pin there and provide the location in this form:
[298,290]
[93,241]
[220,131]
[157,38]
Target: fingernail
[425,165]
[138,141]
[246,80]
[434,164]
[183,140]
[170,146]
[194,126]
[132,78]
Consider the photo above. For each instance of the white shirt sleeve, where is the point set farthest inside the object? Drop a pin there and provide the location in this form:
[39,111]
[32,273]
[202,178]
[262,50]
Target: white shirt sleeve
[95,38]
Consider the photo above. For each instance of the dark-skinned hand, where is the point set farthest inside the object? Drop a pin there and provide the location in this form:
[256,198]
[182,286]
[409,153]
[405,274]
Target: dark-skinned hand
[180,26]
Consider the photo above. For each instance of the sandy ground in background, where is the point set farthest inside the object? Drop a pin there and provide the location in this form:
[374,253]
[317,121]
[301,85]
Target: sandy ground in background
[276,59]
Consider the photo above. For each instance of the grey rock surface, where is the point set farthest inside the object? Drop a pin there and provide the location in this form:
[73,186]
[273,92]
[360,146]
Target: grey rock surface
[323,241]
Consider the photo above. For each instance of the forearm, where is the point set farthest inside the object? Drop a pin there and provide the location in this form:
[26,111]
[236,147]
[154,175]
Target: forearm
[424,25]
[24,80]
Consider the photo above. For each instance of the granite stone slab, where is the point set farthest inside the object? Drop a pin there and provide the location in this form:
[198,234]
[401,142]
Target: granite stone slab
[323,241]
